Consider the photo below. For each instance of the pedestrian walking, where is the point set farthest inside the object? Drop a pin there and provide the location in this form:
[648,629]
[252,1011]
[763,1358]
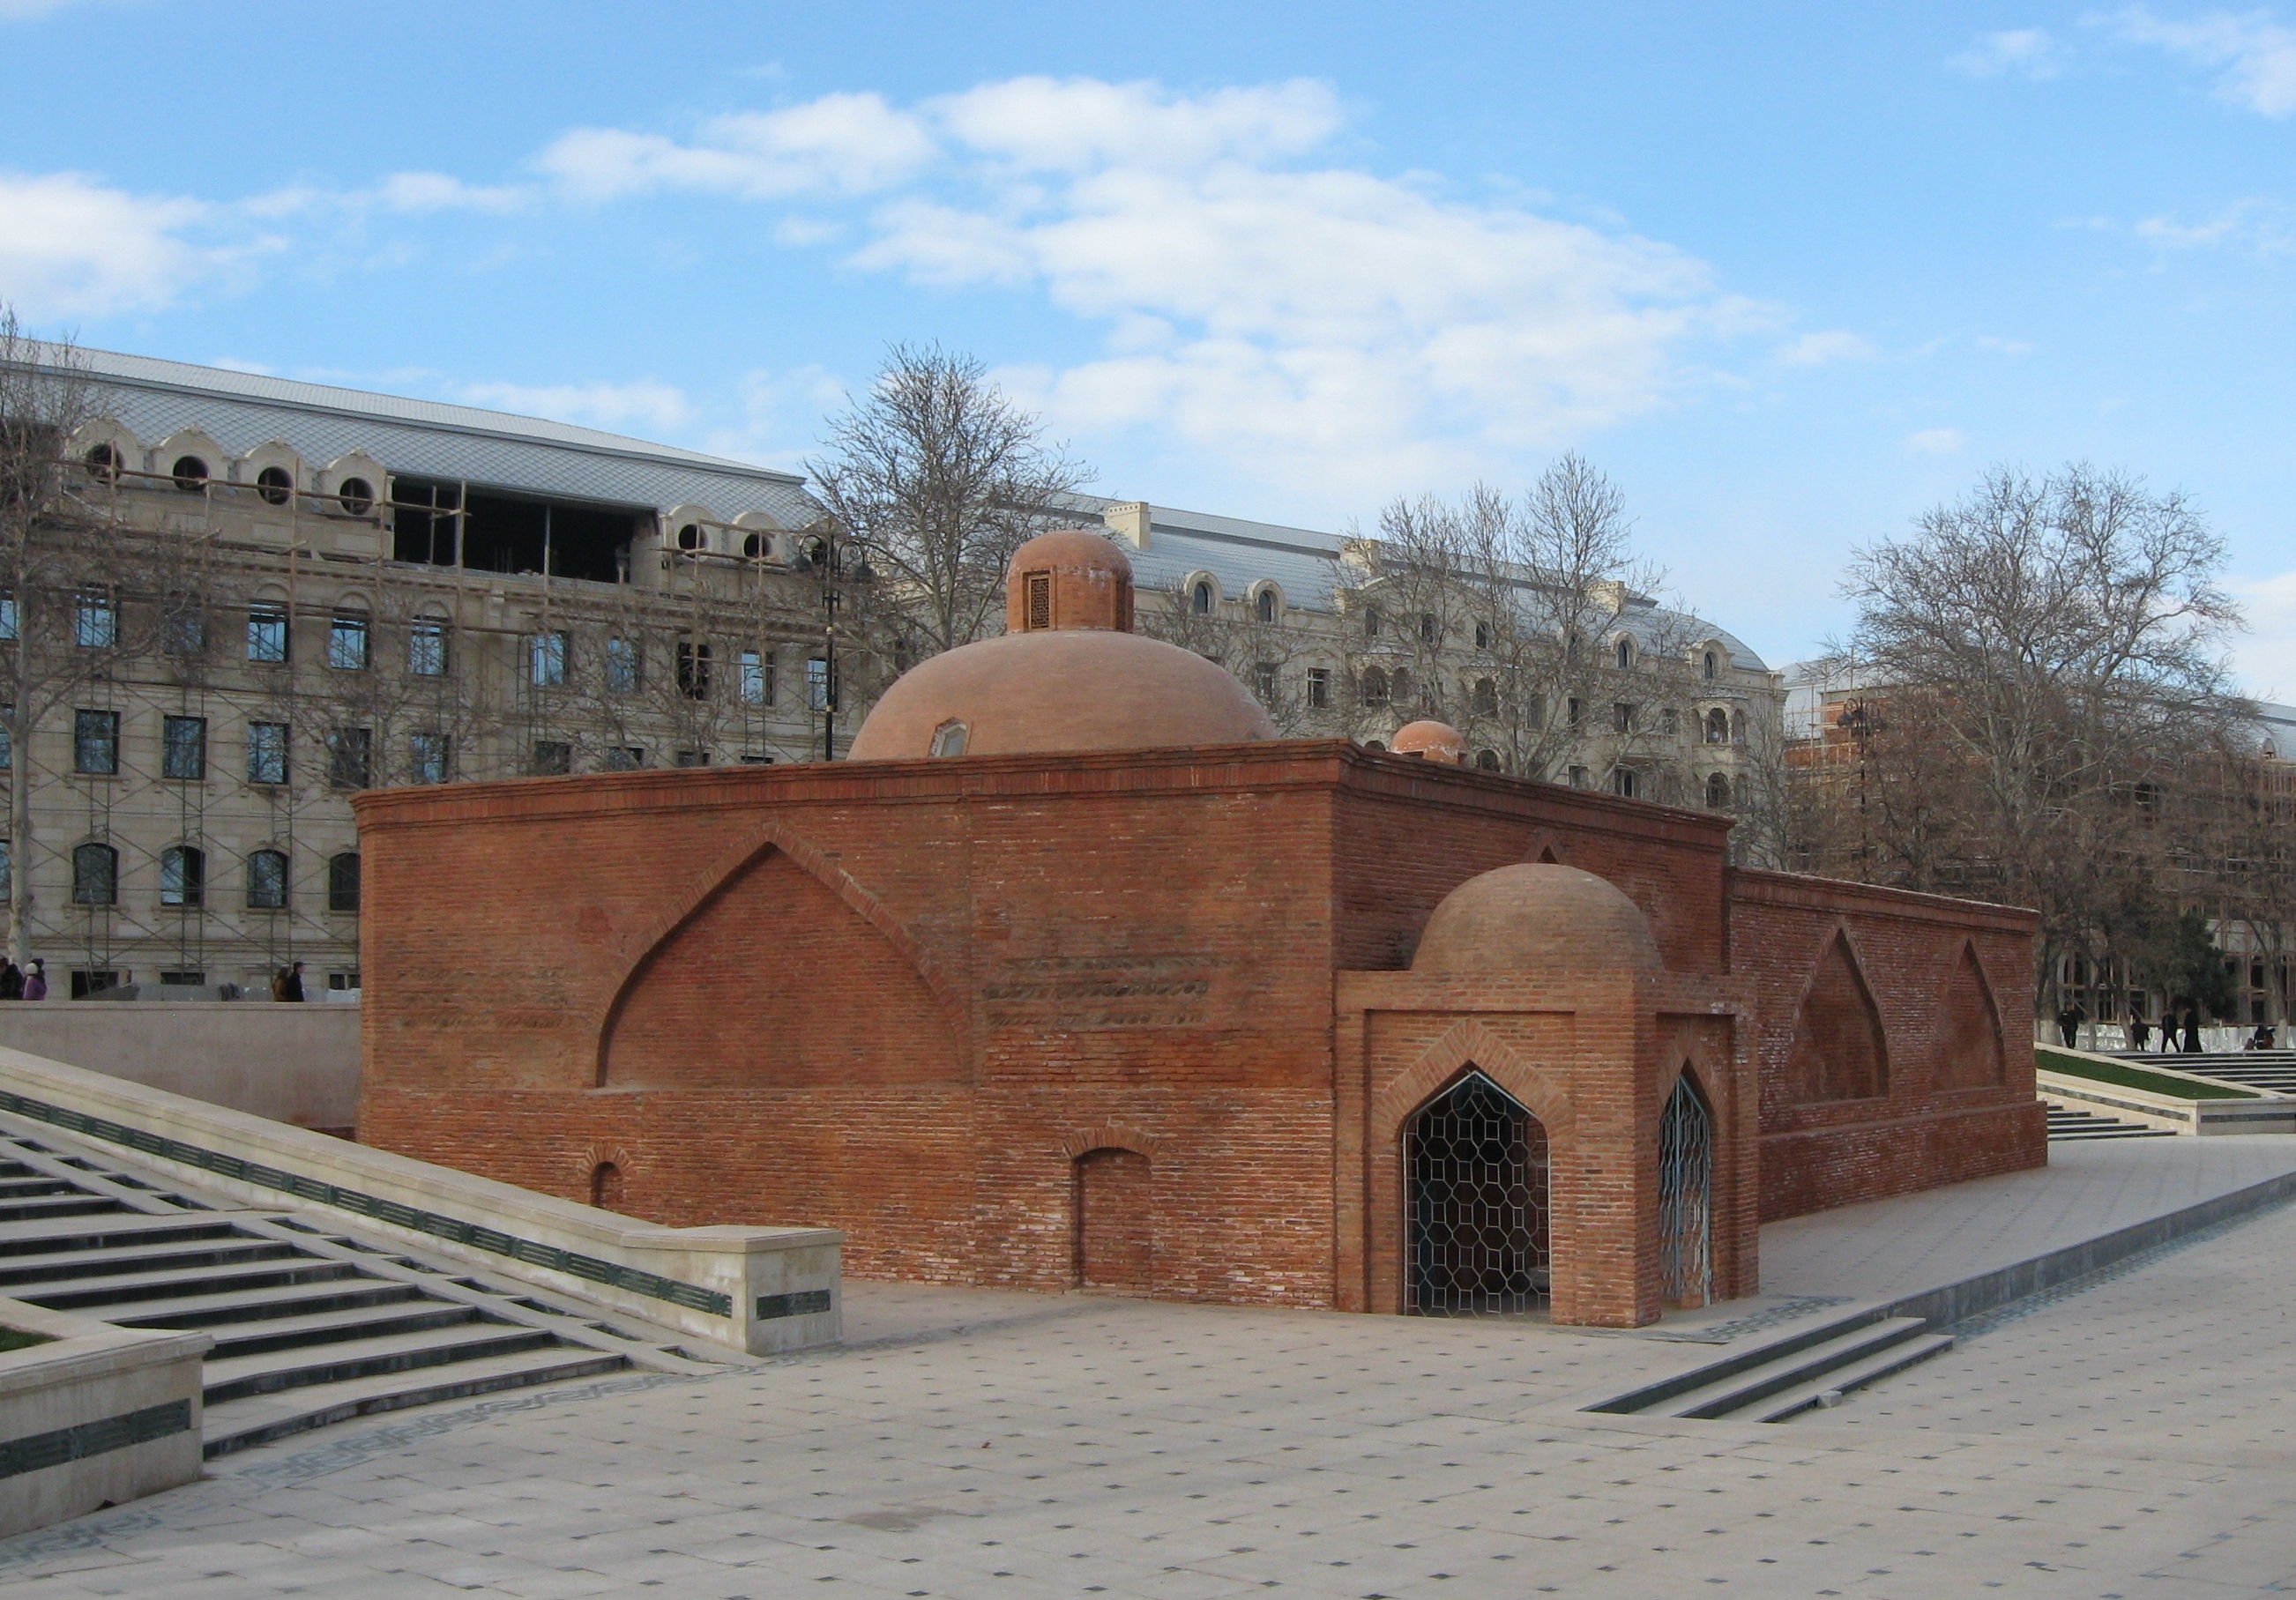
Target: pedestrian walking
[36,980]
[2139,1031]
[2068,1021]
[2193,1031]
[12,981]
[289,984]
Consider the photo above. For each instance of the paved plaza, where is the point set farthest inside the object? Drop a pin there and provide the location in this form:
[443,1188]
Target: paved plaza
[2128,1436]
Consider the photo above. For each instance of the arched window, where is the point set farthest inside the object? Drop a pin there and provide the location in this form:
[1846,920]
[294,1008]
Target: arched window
[190,473]
[689,537]
[1625,652]
[343,881]
[356,496]
[1201,600]
[103,461]
[182,876]
[1482,635]
[1431,627]
[1718,793]
[1717,726]
[1485,698]
[95,875]
[1737,727]
[606,1187]
[1622,782]
[1487,761]
[1370,622]
[755,546]
[277,485]
[1266,605]
[1712,666]
[1374,687]
[1686,1185]
[266,881]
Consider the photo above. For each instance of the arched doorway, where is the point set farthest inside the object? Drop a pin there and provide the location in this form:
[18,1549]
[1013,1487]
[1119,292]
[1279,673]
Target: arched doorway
[1685,1190]
[1115,1220]
[1475,1161]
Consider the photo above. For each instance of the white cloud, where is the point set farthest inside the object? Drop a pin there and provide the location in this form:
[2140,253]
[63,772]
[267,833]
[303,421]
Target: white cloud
[645,404]
[71,246]
[841,144]
[2260,226]
[2257,53]
[1824,348]
[1078,125]
[2027,51]
[1936,441]
[781,413]
[420,192]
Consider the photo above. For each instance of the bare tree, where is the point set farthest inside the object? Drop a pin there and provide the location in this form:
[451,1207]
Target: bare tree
[1258,649]
[83,593]
[939,478]
[2039,657]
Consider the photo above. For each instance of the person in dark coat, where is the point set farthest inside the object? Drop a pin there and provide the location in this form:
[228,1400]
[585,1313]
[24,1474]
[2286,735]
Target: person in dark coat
[291,983]
[2139,1032]
[36,980]
[2193,1032]
[2068,1021]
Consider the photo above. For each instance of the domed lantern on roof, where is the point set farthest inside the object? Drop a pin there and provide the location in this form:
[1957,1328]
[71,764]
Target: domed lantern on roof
[1068,675]
[1432,741]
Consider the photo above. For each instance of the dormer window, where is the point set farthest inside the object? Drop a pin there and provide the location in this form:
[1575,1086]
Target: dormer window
[190,473]
[1712,666]
[1203,601]
[277,485]
[948,739]
[1040,612]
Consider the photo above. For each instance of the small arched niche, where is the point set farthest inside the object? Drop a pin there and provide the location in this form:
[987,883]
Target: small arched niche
[1115,1210]
[1970,1040]
[1839,1050]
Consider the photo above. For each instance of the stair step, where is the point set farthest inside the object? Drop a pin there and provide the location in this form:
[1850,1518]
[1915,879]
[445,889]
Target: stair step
[45,1238]
[241,1376]
[65,1265]
[259,1305]
[129,1287]
[1898,1357]
[259,1418]
[1757,1384]
[19,1188]
[317,1328]
[73,1203]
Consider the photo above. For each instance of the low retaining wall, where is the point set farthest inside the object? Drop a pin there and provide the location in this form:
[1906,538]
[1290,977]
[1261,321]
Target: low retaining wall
[96,1416]
[291,1063]
[2198,1117]
[762,1290]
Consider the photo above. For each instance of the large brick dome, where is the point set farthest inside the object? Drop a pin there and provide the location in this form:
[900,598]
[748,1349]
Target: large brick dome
[1068,676]
[1536,917]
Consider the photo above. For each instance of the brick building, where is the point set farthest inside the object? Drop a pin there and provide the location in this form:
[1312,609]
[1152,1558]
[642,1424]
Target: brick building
[1076,974]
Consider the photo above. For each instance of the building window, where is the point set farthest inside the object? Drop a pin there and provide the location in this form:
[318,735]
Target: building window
[692,670]
[96,625]
[95,743]
[1267,603]
[276,485]
[426,648]
[343,881]
[1485,700]
[1041,602]
[1430,628]
[350,758]
[183,748]
[1622,782]
[624,758]
[1374,687]
[266,632]
[1571,712]
[1370,622]
[1626,655]
[266,881]
[103,463]
[1711,666]
[622,666]
[1487,761]
[1264,680]
[1717,726]
[7,871]
[1482,635]
[266,752]
[948,739]
[1319,687]
[553,758]
[427,757]
[1577,777]
[95,875]
[546,656]
[7,618]
[757,547]
[182,876]
[1669,721]
[1623,713]
[689,537]
[1203,603]
[346,642]
[756,679]
[692,758]
[356,496]
[1737,727]
[7,740]
[1718,792]
[184,630]
[817,684]
[190,473]
[344,981]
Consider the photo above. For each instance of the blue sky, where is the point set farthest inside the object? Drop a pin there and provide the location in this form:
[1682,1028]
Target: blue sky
[1789,274]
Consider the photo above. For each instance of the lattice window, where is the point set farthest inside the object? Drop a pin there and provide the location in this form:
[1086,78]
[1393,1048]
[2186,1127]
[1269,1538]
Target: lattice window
[1476,1162]
[1040,600]
[1685,1174]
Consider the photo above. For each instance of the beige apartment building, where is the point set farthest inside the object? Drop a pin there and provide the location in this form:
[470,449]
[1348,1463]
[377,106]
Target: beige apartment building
[375,590]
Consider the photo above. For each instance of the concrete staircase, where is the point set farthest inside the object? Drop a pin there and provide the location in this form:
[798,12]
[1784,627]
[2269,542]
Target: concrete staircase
[2067,1122]
[1774,1381]
[312,1324]
[2274,1070]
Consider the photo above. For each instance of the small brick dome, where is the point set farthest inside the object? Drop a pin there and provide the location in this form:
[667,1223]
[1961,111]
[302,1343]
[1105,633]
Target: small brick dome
[1068,676]
[1433,741]
[1536,917]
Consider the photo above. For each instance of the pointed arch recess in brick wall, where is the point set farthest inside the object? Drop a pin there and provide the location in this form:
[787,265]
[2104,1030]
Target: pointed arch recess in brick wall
[1969,1042]
[1469,1045]
[1839,1050]
[639,952]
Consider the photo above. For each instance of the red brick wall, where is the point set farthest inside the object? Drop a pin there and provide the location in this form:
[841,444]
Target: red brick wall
[1957,1099]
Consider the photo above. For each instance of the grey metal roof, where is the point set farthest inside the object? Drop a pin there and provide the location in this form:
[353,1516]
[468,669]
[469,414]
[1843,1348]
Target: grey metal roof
[426,439]
[1304,565]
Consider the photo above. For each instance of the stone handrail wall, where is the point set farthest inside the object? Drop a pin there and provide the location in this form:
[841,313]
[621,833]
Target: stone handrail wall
[759,1289]
[290,1063]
